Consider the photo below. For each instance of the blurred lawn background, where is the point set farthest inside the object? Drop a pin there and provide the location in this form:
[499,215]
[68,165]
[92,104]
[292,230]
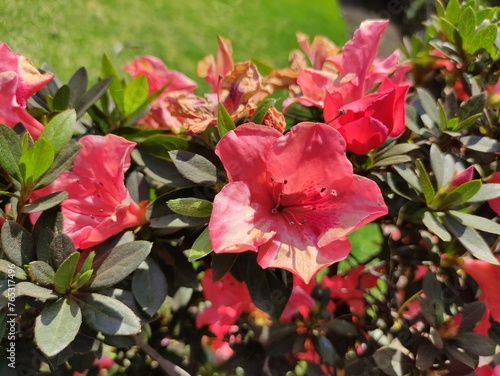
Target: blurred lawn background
[68,34]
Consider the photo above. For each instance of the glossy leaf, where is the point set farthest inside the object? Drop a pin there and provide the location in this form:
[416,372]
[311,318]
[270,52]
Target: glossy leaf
[10,145]
[224,121]
[60,130]
[435,226]
[136,93]
[261,110]
[461,194]
[475,221]
[202,246]
[91,96]
[64,275]
[57,326]
[78,85]
[36,161]
[149,286]
[116,88]
[61,99]
[62,162]
[425,182]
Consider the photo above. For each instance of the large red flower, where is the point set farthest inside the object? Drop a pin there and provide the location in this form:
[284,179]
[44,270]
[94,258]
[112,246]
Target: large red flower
[98,204]
[292,198]
[19,80]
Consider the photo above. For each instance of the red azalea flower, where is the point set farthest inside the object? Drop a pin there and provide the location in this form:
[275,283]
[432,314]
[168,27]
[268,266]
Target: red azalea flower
[293,197]
[229,298]
[366,123]
[19,80]
[98,204]
[487,276]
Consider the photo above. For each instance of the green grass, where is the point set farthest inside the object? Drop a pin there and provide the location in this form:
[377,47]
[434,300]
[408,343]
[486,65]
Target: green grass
[68,34]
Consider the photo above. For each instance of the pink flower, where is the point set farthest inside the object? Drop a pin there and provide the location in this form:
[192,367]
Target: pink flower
[229,298]
[213,71]
[366,123]
[487,370]
[300,300]
[292,198]
[98,204]
[158,76]
[19,80]
[487,276]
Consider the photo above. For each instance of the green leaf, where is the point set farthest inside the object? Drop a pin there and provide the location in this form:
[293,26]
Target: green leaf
[65,273]
[429,105]
[261,110]
[475,221]
[34,291]
[45,202]
[116,88]
[224,121]
[409,176]
[11,269]
[191,207]
[149,286]
[87,264]
[467,25]
[453,11]
[442,166]
[472,313]
[202,246]
[60,130]
[325,349]
[486,192]
[119,263]
[396,150]
[10,145]
[36,161]
[343,327]
[108,315]
[17,243]
[465,124]
[425,182]
[393,362]
[41,273]
[482,39]
[470,239]
[81,279]
[62,162]
[194,167]
[92,96]
[136,93]
[57,326]
[61,99]
[460,194]
[473,106]
[435,226]
[160,145]
[222,263]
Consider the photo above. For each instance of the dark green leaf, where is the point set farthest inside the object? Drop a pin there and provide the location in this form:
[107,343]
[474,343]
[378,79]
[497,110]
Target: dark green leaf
[343,327]
[149,286]
[45,202]
[486,192]
[108,315]
[119,263]
[221,264]
[467,24]
[92,96]
[470,239]
[429,105]
[64,275]
[60,130]
[194,167]
[61,99]
[261,110]
[136,93]
[466,123]
[435,226]
[159,145]
[396,150]
[10,145]
[393,362]
[17,243]
[325,349]
[61,248]
[57,326]
[202,246]
[410,176]
[472,313]
[482,39]
[475,344]
[432,288]
[41,273]
[224,121]
[78,85]
[442,166]
[267,291]
[426,354]
[473,106]
[395,159]
[191,207]
[34,291]
[453,353]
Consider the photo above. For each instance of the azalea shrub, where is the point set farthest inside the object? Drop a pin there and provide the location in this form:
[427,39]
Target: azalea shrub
[337,216]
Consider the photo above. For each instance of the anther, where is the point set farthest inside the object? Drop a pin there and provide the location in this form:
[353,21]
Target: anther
[314,208]
[274,210]
[285,181]
[303,222]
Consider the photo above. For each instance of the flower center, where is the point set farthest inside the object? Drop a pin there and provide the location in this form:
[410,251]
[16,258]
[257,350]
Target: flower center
[292,209]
